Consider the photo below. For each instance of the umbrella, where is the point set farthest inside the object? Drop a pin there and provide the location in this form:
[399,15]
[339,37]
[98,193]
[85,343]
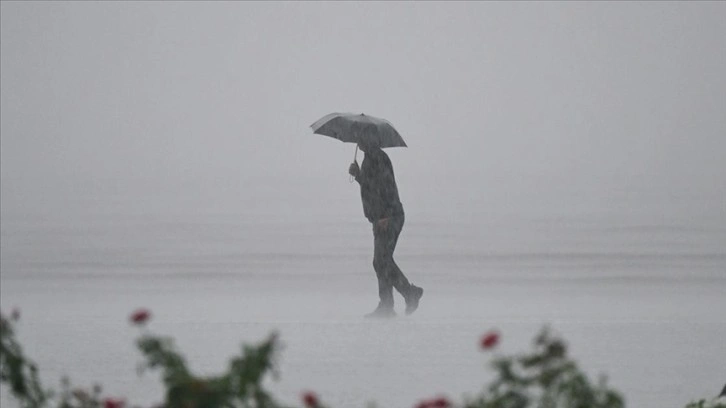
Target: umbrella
[357,128]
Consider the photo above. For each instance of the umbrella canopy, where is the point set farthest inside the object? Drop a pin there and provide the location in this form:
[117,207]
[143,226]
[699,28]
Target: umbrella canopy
[357,128]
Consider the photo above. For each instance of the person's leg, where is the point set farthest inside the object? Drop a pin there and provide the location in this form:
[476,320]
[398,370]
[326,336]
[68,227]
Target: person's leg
[396,276]
[411,293]
[380,265]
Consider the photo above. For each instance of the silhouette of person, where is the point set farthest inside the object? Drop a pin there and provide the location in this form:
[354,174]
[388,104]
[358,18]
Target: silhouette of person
[383,208]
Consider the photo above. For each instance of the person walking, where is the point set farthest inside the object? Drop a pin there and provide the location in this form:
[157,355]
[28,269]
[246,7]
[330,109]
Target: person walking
[383,208]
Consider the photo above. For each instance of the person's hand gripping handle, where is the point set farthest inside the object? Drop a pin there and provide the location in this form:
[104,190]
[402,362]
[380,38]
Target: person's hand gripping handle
[354,170]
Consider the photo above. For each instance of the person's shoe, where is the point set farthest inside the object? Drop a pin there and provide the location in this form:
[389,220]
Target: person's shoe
[412,299]
[382,312]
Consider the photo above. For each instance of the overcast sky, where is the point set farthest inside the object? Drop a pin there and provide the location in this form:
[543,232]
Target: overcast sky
[573,106]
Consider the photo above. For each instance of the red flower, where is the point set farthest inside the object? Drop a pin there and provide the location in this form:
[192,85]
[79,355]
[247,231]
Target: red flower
[489,340]
[440,402]
[140,316]
[310,399]
[113,403]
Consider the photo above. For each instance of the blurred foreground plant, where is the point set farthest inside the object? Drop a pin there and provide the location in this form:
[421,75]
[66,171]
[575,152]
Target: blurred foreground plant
[543,378]
[16,370]
[240,386]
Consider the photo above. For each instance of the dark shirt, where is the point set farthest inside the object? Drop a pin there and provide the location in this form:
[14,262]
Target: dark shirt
[378,187]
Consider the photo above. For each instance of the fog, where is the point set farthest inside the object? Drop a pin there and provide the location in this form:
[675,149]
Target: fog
[565,165]
[546,108]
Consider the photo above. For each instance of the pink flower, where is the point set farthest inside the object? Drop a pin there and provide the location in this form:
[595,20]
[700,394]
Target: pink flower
[490,340]
[310,399]
[113,403]
[140,316]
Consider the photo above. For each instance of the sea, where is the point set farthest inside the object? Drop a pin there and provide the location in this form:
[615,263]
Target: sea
[638,299]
